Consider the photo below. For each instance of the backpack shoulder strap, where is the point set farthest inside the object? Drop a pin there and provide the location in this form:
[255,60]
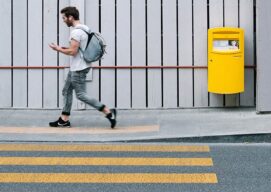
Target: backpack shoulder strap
[90,35]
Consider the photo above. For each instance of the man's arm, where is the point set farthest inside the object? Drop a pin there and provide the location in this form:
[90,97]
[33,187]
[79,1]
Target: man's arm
[72,50]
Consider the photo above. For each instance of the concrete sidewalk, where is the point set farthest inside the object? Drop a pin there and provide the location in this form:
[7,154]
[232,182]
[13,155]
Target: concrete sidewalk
[134,125]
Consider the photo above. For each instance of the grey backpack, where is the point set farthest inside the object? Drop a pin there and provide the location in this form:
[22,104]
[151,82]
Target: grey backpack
[95,48]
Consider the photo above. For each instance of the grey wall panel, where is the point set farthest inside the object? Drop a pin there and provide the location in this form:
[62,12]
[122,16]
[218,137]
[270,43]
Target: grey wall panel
[35,54]
[64,60]
[108,88]
[248,97]
[231,13]
[92,20]
[185,44]
[231,20]
[138,54]
[200,53]
[216,19]
[123,54]
[154,53]
[169,53]
[19,53]
[247,23]
[263,55]
[50,78]
[5,57]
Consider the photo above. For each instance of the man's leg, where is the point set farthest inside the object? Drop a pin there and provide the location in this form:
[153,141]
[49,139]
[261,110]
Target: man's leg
[79,85]
[67,93]
[63,121]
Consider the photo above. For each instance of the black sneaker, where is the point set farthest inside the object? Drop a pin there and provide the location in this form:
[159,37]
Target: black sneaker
[60,123]
[112,117]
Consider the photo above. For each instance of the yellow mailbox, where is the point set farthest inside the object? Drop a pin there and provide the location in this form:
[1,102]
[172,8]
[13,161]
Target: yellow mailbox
[225,60]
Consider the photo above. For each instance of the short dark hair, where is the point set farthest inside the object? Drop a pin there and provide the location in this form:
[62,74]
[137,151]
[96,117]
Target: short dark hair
[71,11]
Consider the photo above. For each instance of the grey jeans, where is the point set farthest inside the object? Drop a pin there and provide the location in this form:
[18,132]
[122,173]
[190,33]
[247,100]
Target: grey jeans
[76,80]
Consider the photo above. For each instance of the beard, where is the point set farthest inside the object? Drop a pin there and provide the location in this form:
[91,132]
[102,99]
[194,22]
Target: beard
[69,24]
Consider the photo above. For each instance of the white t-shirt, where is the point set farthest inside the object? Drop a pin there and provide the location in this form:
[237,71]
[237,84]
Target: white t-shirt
[77,61]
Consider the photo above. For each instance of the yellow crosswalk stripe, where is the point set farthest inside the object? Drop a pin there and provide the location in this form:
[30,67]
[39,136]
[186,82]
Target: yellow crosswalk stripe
[102,148]
[125,178]
[107,178]
[136,161]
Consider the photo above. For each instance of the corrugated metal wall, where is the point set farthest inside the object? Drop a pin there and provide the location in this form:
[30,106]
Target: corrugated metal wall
[263,56]
[168,33]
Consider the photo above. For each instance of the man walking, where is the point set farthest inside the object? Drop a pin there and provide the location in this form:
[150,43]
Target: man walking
[78,71]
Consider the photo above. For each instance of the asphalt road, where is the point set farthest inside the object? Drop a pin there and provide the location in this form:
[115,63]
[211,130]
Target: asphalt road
[135,167]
